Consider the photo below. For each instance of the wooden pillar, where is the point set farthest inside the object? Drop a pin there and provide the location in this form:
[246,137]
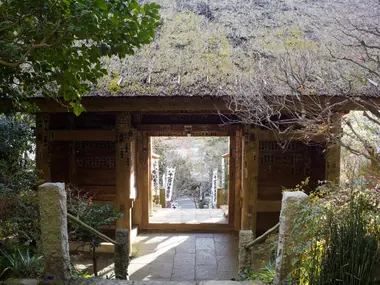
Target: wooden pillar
[144,177]
[162,198]
[43,145]
[72,154]
[124,136]
[137,207]
[332,162]
[250,179]
[72,164]
[150,191]
[219,197]
[238,179]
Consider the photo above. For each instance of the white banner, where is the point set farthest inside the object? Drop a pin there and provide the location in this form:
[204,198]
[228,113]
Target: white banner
[223,173]
[169,183]
[213,188]
[155,177]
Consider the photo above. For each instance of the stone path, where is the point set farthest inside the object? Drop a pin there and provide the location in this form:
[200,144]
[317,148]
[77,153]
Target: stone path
[188,216]
[184,257]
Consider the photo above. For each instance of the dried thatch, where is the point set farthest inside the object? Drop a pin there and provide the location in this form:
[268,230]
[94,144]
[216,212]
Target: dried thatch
[214,47]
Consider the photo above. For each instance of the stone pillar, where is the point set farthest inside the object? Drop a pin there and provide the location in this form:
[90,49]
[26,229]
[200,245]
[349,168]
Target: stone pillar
[289,210]
[121,254]
[245,255]
[54,238]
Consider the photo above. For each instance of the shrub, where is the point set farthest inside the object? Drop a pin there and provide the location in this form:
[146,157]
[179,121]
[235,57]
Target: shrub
[265,274]
[336,236]
[80,204]
[18,203]
[349,251]
[20,263]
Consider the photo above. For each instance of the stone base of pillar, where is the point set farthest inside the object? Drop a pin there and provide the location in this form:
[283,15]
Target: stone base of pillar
[245,255]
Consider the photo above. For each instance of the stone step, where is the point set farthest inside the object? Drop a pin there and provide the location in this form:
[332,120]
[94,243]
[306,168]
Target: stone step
[99,281]
[95,281]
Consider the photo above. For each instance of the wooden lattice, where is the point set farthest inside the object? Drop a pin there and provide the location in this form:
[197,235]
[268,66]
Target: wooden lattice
[96,145]
[295,160]
[96,162]
[95,155]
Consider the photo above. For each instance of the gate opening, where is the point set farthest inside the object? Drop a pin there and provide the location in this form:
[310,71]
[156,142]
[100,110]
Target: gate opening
[190,180]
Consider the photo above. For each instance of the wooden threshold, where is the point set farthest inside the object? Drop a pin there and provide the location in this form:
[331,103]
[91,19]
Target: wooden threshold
[178,227]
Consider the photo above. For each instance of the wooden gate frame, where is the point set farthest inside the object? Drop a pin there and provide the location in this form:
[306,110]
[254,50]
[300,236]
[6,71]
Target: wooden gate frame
[145,132]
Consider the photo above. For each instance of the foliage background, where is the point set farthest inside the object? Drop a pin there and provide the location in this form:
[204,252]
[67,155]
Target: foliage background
[18,178]
[53,48]
[194,158]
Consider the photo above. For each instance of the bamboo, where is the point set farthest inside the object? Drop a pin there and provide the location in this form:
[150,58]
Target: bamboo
[263,236]
[90,229]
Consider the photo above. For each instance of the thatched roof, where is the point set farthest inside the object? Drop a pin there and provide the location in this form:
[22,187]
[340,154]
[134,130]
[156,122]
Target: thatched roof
[213,47]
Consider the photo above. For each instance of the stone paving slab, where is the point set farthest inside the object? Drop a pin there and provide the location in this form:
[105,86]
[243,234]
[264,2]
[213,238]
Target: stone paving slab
[219,282]
[175,257]
[188,256]
[92,281]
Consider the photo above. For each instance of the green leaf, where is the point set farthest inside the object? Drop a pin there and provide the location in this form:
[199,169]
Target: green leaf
[80,34]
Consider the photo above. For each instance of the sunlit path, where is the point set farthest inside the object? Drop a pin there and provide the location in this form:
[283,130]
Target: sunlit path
[188,216]
[184,256]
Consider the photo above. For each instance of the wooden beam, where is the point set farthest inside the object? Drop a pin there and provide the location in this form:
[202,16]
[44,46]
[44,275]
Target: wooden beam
[184,129]
[43,146]
[83,135]
[90,229]
[250,180]
[268,206]
[199,104]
